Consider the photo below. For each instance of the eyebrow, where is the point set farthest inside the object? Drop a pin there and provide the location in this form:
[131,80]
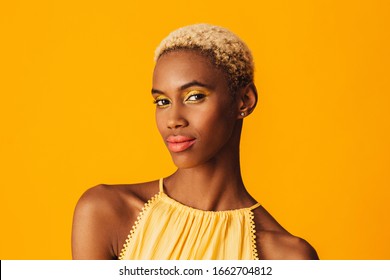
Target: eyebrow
[185,86]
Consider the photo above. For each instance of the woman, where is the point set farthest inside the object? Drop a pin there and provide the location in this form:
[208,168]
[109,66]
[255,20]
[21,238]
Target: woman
[203,89]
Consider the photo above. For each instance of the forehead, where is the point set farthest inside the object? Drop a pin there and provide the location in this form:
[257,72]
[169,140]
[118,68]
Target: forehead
[177,68]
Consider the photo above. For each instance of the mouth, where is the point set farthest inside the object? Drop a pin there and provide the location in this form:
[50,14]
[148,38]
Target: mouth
[179,143]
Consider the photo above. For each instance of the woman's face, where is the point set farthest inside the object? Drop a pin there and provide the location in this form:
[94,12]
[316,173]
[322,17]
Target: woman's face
[195,112]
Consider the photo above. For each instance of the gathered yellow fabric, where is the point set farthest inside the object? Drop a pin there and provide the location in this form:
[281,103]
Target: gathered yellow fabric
[168,230]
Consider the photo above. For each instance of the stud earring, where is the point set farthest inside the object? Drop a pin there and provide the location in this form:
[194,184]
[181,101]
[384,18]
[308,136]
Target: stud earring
[242,114]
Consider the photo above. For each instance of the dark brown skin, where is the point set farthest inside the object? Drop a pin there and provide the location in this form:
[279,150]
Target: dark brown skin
[193,100]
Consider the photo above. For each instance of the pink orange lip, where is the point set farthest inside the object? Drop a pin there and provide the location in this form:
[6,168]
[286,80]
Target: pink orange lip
[179,143]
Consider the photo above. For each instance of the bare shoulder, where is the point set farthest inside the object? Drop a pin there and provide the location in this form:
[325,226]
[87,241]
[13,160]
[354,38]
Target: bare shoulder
[114,201]
[276,243]
[284,246]
[103,217]
[115,197]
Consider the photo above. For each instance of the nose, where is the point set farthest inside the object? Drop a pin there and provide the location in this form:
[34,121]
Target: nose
[176,119]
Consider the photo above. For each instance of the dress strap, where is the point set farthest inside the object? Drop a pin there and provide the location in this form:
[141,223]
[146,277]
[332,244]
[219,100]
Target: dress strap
[161,185]
[254,206]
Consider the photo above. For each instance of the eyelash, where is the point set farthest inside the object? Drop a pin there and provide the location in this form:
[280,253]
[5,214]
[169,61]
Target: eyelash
[164,102]
[199,96]
[157,101]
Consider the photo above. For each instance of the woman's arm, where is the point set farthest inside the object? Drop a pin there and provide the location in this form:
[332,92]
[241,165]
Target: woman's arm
[93,222]
[282,246]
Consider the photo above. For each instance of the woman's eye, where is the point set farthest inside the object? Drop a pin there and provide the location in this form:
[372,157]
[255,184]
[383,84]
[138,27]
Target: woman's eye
[195,97]
[161,102]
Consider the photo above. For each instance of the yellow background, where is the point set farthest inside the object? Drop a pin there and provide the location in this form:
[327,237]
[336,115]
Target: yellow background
[76,111]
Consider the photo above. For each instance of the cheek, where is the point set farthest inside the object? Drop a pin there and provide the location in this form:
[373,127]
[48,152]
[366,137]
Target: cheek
[214,121]
[159,121]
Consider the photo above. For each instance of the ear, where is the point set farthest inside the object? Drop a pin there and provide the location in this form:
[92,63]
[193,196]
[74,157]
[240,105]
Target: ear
[247,100]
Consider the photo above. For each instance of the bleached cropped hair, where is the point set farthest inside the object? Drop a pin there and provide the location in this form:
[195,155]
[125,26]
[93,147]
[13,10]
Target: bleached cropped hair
[225,50]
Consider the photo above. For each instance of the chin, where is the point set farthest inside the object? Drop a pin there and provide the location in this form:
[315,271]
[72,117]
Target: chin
[188,160]
[183,164]
[184,161]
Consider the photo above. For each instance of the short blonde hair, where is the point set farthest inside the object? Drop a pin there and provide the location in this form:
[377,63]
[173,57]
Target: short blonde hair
[225,50]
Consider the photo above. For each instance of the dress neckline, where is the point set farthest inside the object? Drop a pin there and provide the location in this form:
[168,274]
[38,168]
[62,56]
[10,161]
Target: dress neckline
[196,210]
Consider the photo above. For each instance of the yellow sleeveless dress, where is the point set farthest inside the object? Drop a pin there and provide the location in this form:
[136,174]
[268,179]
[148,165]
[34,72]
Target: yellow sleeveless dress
[168,230]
